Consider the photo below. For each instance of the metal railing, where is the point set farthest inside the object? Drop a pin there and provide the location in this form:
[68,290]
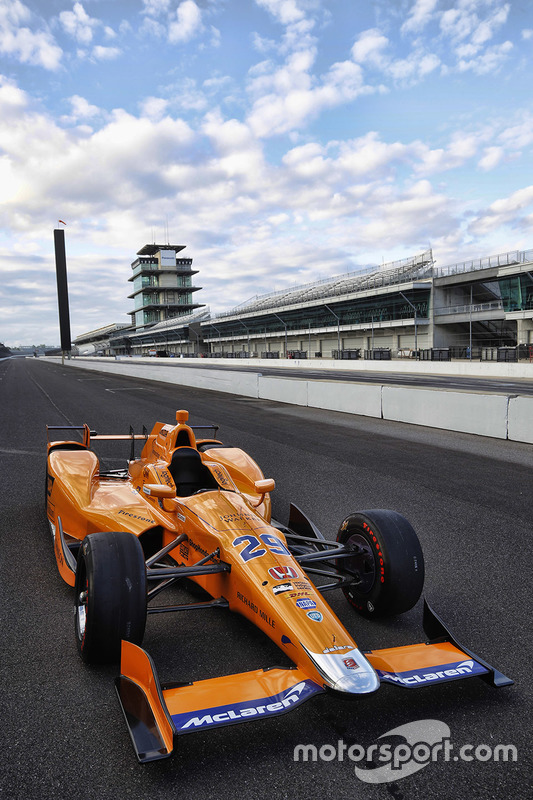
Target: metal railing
[494,305]
[498,260]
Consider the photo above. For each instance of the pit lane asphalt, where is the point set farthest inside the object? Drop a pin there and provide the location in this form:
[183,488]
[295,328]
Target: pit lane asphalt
[470,500]
[475,383]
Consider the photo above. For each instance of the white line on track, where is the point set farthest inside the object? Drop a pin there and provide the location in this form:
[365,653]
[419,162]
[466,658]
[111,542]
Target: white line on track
[130,389]
[20,452]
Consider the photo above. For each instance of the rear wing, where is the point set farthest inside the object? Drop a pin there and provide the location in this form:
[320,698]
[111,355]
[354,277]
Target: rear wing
[88,435]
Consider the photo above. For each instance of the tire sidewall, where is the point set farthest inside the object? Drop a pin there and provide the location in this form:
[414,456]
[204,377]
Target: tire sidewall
[398,561]
[111,569]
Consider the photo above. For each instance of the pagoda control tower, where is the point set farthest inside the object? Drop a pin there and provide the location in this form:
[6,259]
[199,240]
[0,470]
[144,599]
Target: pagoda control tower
[162,285]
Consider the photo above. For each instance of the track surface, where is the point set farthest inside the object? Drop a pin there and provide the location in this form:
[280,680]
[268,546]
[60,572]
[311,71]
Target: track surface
[470,499]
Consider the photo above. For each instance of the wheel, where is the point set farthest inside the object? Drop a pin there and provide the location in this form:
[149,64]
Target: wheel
[110,595]
[387,561]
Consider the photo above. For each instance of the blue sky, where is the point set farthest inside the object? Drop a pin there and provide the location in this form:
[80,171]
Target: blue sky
[281,141]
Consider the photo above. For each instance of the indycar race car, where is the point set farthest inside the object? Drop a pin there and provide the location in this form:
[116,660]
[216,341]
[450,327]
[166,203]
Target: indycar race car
[192,507]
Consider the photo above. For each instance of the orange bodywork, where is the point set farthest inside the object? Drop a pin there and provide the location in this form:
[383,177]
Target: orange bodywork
[228,523]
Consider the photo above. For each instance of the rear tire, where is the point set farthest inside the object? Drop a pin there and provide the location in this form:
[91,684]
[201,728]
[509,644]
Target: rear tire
[110,595]
[387,559]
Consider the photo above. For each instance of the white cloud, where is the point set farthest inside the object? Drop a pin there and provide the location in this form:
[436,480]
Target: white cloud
[78,24]
[285,11]
[369,47]
[469,33]
[187,24]
[504,211]
[371,51]
[518,135]
[420,15]
[287,97]
[155,7]
[492,156]
[101,53]
[413,68]
[13,12]
[37,48]
[153,107]
[82,109]
[487,62]
[461,148]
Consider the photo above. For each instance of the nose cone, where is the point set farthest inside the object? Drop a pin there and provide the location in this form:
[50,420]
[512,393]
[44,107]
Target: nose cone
[349,672]
[361,682]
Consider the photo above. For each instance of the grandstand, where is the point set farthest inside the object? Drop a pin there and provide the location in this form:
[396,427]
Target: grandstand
[404,308]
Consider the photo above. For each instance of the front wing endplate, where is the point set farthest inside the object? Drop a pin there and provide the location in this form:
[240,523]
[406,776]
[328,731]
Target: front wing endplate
[155,715]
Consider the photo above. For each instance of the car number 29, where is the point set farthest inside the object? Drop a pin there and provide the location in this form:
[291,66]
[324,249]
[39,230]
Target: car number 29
[253,548]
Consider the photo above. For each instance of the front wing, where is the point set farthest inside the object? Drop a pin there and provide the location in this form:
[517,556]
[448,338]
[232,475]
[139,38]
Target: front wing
[156,715]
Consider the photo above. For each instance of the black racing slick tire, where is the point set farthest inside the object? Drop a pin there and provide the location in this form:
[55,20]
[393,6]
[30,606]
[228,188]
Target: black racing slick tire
[110,595]
[387,562]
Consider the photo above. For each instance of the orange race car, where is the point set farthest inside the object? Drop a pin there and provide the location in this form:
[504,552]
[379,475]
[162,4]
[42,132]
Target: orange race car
[192,507]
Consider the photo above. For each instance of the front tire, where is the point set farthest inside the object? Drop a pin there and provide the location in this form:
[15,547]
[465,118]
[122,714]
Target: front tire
[110,595]
[387,561]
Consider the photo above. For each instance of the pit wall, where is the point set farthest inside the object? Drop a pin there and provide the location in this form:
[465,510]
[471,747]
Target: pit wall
[500,416]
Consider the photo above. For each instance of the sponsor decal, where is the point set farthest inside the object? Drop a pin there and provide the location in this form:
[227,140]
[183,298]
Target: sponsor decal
[247,602]
[315,615]
[282,587]
[438,674]
[181,517]
[302,585]
[248,709]
[165,477]
[306,602]
[350,663]
[135,516]
[220,475]
[184,550]
[201,551]
[337,647]
[58,551]
[237,517]
[264,616]
[280,573]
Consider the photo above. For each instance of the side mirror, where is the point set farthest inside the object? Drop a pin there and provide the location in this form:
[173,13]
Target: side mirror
[262,488]
[265,486]
[159,490]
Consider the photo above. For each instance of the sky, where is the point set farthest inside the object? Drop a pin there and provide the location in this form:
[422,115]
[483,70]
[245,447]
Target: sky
[280,141]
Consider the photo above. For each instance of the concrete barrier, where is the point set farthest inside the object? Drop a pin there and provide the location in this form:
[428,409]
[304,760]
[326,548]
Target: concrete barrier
[520,425]
[283,390]
[495,415]
[350,398]
[481,414]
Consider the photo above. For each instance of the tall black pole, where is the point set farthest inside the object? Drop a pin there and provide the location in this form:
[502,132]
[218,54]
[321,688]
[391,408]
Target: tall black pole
[62,290]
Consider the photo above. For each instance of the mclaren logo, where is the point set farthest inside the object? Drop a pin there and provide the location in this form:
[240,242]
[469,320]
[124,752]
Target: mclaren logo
[464,668]
[289,697]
